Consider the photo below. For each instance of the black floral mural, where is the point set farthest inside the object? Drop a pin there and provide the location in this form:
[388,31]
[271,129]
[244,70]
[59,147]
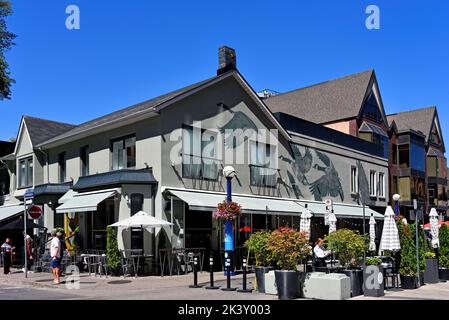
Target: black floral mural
[329,184]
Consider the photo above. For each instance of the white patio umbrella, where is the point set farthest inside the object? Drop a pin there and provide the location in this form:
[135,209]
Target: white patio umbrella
[141,219]
[372,234]
[390,235]
[434,228]
[332,222]
[304,225]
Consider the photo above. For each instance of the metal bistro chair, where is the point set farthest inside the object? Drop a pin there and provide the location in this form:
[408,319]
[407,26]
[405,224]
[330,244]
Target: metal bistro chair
[391,272]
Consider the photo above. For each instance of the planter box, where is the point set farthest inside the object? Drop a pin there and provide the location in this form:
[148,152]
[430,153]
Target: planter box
[443,273]
[260,277]
[409,282]
[356,277]
[331,286]
[287,284]
[373,281]
[431,273]
[270,283]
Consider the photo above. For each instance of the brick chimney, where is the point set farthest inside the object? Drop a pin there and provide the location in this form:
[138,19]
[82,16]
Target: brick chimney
[227,60]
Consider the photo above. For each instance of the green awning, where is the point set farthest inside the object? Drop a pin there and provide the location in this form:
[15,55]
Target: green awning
[341,210]
[10,211]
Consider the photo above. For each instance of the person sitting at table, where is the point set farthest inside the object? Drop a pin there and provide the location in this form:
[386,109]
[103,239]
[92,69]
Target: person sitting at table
[320,253]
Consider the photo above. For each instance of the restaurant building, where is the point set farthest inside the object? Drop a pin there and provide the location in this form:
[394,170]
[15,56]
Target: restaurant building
[166,155]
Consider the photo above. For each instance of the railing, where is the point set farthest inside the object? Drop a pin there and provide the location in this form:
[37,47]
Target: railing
[262,176]
[198,167]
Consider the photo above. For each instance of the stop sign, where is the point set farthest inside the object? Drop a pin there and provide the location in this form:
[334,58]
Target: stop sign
[35,212]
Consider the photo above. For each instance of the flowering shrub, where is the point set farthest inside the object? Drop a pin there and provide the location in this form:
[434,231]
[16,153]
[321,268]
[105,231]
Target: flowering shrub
[227,211]
[287,247]
[257,244]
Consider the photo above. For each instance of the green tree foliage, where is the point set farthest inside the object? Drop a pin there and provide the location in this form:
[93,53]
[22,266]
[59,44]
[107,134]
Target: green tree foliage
[257,245]
[112,251]
[408,265]
[444,246]
[347,245]
[6,42]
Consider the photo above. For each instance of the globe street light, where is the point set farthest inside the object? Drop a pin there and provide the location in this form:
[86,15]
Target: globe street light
[396,198]
[229,173]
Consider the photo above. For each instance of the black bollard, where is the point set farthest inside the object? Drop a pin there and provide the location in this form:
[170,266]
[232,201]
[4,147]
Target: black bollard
[195,274]
[228,274]
[244,289]
[211,272]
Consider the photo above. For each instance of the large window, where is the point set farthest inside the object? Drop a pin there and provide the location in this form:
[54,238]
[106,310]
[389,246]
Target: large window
[62,167]
[404,156]
[405,188]
[354,182]
[25,172]
[372,183]
[124,153]
[262,164]
[432,166]
[394,148]
[84,159]
[417,157]
[381,185]
[200,154]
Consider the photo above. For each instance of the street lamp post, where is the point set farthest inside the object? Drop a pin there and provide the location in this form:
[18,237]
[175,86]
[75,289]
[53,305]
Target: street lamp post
[396,198]
[229,173]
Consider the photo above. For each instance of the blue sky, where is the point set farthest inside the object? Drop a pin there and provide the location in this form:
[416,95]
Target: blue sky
[130,51]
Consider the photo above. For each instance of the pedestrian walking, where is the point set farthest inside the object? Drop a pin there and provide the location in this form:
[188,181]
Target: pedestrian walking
[55,252]
[29,253]
[62,247]
[7,251]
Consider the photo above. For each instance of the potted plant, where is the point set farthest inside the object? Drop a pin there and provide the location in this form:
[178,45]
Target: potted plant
[287,247]
[407,266]
[444,252]
[256,245]
[431,272]
[373,282]
[348,246]
[112,251]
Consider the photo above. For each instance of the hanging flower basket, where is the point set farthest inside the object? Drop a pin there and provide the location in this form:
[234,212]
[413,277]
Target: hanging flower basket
[227,211]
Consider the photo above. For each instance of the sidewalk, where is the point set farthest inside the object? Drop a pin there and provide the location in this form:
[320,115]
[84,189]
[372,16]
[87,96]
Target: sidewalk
[150,287]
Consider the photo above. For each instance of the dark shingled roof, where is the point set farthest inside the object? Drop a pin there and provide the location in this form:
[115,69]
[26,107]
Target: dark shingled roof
[324,102]
[115,178]
[52,188]
[130,111]
[418,120]
[41,130]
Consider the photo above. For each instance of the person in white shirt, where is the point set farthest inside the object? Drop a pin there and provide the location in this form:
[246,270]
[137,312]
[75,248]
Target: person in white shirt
[55,247]
[320,253]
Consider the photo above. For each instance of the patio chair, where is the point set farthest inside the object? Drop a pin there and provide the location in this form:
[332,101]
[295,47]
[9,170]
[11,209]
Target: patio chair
[127,264]
[391,272]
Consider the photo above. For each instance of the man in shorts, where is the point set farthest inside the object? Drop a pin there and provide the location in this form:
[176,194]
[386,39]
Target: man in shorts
[55,250]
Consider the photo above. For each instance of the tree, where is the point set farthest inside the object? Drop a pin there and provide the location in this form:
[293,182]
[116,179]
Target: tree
[6,42]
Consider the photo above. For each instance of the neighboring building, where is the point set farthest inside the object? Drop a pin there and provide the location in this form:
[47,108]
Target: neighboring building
[5,149]
[165,156]
[422,163]
[26,166]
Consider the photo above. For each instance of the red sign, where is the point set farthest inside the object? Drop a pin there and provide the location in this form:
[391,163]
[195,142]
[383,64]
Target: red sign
[35,212]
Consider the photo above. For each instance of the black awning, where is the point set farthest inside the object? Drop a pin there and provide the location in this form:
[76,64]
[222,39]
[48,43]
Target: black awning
[115,178]
[52,188]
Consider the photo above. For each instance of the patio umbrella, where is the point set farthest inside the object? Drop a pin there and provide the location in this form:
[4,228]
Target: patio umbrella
[141,219]
[372,234]
[440,223]
[304,225]
[390,235]
[332,222]
[434,228]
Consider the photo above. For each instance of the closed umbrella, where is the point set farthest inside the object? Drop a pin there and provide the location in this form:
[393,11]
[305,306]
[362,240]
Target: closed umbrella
[332,222]
[372,234]
[304,225]
[434,228]
[390,235]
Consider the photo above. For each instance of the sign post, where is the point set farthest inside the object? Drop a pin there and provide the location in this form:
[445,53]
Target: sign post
[29,195]
[417,220]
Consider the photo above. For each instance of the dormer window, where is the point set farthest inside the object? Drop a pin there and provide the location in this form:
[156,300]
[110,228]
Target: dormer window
[25,176]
